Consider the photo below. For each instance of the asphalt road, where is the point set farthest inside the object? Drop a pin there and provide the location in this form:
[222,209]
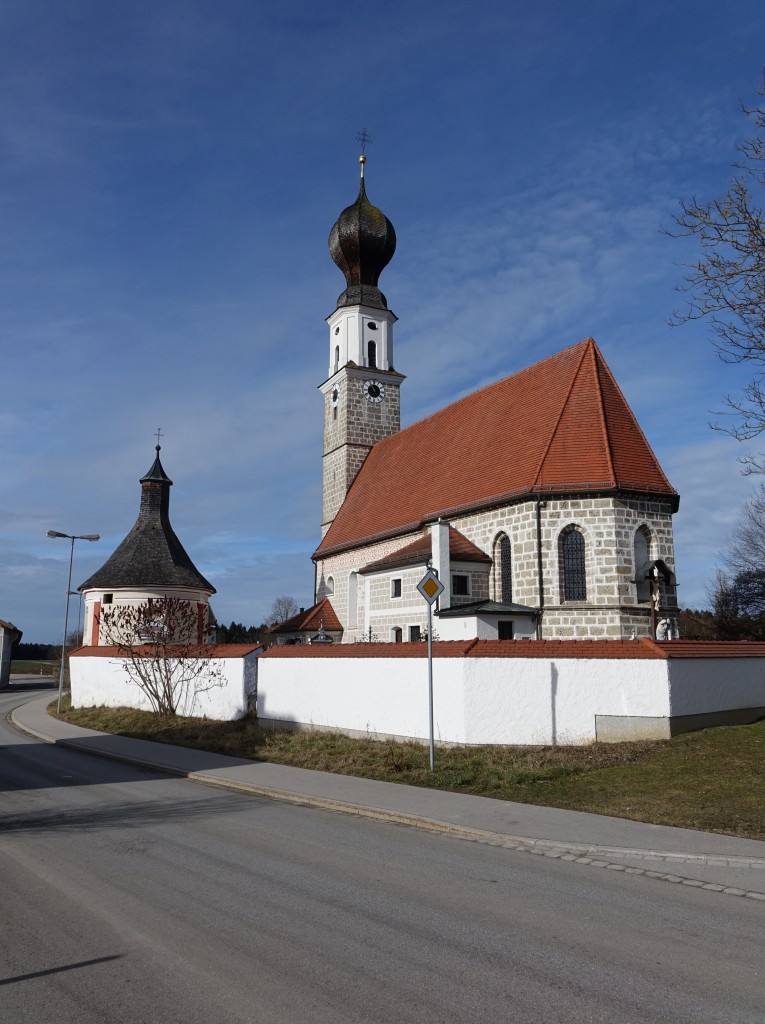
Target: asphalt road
[132,897]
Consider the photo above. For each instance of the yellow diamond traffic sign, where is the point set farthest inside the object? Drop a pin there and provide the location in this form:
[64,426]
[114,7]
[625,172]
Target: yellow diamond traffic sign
[430,586]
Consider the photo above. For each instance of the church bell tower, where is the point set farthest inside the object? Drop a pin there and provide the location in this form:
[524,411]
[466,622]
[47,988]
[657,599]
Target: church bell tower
[361,392]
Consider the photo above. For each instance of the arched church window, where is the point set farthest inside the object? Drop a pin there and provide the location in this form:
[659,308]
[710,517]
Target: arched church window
[329,586]
[503,569]
[572,560]
[642,547]
[372,353]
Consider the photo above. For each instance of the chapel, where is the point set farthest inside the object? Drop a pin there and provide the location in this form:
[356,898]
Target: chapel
[537,500]
[149,564]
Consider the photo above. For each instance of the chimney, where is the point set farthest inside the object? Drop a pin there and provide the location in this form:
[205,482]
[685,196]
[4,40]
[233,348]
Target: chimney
[439,535]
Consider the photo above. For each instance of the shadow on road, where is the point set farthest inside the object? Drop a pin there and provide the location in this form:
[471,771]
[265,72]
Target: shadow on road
[123,815]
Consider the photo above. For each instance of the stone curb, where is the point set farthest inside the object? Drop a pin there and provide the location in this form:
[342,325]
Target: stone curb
[573,852]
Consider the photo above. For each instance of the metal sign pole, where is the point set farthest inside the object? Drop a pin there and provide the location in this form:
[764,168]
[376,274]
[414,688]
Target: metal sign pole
[431,588]
[430,679]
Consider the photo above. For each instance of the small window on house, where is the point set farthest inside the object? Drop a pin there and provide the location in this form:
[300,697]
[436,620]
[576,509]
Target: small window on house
[572,559]
[460,584]
[504,630]
[395,588]
[397,635]
[414,633]
[329,586]
[108,598]
[372,354]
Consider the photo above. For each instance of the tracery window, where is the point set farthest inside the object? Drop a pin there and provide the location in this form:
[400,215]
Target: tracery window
[503,560]
[573,565]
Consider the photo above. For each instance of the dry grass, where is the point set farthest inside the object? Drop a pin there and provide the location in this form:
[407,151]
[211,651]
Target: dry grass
[712,780]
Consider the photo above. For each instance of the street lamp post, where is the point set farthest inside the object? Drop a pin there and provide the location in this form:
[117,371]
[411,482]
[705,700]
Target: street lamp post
[68,536]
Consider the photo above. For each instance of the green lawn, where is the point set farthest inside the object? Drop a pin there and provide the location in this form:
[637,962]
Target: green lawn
[712,780]
[33,668]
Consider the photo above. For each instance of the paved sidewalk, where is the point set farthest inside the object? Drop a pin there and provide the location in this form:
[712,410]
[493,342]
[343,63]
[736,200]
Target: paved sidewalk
[719,863]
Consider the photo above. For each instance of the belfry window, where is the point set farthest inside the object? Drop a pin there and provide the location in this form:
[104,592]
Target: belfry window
[642,549]
[337,358]
[572,558]
[372,353]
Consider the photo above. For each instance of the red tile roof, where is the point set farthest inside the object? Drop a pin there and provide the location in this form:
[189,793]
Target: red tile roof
[202,651]
[420,550]
[561,426]
[642,649]
[311,619]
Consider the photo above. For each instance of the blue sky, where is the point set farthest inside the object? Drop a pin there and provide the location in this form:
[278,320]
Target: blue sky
[169,174]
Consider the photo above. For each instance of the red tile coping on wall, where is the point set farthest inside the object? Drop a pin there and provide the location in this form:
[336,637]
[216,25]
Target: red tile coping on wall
[203,651]
[601,649]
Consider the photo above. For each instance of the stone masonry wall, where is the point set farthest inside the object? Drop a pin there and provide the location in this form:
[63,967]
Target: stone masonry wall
[608,524]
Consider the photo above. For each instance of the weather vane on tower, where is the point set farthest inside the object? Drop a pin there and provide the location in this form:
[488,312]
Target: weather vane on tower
[364,139]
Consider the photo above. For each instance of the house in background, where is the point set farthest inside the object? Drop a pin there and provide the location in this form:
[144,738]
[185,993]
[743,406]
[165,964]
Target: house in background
[317,625]
[9,637]
[537,499]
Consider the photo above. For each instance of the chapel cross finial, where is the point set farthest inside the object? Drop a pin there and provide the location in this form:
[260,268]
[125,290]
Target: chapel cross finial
[364,139]
[159,434]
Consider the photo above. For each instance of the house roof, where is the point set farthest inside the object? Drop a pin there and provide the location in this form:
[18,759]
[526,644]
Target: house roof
[420,550]
[309,620]
[561,426]
[151,555]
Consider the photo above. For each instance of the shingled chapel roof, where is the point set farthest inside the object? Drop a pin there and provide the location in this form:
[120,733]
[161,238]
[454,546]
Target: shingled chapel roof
[151,555]
[561,426]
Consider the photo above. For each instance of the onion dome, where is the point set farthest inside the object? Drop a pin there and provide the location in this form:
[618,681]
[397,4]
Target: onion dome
[362,243]
[151,555]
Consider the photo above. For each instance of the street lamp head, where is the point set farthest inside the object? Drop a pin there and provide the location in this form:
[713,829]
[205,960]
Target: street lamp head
[79,536]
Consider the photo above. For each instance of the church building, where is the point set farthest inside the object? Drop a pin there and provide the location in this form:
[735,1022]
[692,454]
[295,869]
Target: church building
[537,500]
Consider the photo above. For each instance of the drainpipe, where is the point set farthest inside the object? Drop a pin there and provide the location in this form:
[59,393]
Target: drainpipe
[540,575]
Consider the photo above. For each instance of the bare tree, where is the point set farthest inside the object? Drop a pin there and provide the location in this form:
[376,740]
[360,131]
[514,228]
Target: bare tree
[284,607]
[727,283]
[746,551]
[163,649]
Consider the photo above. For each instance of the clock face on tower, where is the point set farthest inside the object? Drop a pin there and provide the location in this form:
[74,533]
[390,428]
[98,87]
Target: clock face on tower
[373,390]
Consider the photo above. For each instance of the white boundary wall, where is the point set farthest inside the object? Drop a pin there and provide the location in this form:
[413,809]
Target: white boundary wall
[102,681]
[507,700]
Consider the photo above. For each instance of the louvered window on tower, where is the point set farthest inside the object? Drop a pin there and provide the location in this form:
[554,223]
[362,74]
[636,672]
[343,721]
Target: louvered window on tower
[574,574]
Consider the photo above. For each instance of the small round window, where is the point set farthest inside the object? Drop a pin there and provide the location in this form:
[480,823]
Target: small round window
[371,325]
[337,330]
